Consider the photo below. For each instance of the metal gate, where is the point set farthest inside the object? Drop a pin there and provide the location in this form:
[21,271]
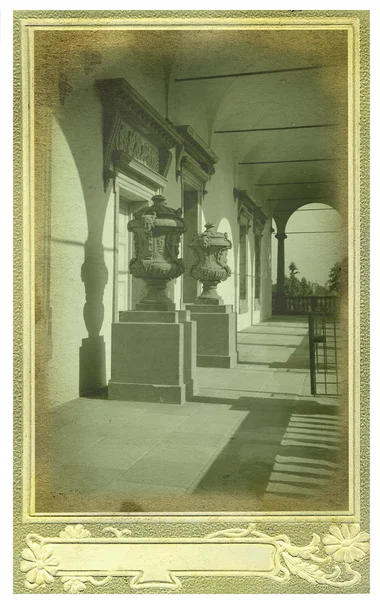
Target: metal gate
[323,352]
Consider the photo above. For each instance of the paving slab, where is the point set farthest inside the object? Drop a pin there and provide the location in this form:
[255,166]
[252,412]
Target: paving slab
[157,471]
[252,434]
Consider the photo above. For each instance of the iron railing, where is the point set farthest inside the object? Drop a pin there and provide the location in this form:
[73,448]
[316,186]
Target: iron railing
[323,353]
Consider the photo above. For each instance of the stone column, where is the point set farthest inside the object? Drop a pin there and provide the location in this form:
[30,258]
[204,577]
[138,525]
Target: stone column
[280,303]
[153,347]
[216,322]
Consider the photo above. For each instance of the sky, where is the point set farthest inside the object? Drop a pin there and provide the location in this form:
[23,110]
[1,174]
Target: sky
[313,253]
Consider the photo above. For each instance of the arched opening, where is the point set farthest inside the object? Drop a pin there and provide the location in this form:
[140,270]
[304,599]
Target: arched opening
[315,244]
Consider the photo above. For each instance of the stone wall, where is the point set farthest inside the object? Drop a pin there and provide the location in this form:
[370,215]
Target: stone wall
[82,226]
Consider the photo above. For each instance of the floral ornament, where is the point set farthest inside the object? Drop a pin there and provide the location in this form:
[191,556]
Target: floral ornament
[74,531]
[76,585]
[346,543]
[38,564]
[117,532]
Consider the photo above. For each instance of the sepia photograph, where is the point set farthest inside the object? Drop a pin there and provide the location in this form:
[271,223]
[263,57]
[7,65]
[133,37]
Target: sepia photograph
[191,190]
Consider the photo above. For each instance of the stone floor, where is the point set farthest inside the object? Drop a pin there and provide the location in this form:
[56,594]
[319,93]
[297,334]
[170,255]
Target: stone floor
[252,439]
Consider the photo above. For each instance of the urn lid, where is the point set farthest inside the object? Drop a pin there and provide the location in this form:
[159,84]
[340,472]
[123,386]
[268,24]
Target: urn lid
[159,208]
[161,214]
[210,237]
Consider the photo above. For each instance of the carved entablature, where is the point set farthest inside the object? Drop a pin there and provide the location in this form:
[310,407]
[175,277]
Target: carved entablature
[130,142]
[259,220]
[245,216]
[193,152]
[247,205]
[135,136]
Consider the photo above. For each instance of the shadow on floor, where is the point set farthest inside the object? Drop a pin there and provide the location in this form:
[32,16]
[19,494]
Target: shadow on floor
[284,452]
[299,358]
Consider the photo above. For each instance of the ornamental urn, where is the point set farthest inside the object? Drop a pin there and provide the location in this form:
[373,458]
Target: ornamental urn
[210,268]
[157,230]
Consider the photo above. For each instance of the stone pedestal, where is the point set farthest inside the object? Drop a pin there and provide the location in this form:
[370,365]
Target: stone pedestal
[153,357]
[216,334]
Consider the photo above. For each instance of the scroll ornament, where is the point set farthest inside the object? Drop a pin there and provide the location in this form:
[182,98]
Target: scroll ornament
[329,562]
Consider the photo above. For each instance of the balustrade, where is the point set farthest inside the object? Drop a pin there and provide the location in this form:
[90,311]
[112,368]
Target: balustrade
[302,305]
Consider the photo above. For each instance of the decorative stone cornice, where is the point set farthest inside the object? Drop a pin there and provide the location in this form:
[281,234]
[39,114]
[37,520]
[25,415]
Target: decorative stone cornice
[245,199]
[197,149]
[189,165]
[245,216]
[133,129]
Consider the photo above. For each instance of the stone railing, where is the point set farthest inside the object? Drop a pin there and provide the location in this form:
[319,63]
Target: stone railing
[302,305]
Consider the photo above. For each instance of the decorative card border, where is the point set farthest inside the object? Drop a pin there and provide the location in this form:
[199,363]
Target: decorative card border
[307,552]
[81,562]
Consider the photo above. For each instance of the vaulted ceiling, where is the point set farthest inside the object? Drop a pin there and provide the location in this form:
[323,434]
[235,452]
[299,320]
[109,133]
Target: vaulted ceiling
[277,97]
[280,99]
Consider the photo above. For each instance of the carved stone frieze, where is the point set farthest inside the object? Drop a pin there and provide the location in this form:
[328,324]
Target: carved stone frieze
[133,130]
[138,147]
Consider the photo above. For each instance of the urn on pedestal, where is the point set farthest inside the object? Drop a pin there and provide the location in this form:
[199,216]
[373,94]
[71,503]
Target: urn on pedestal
[210,268]
[216,321]
[157,231]
[153,352]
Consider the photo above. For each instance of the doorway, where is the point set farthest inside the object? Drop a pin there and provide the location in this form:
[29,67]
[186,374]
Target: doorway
[126,286]
[128,290]
[190,210]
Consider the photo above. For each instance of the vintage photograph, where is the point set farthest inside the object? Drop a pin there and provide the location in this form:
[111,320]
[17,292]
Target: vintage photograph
[191,269]
[191,301]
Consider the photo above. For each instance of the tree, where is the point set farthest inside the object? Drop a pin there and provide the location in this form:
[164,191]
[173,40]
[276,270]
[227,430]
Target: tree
[306,288]
[338,276]
[293,281]
[293,286]
[293,269]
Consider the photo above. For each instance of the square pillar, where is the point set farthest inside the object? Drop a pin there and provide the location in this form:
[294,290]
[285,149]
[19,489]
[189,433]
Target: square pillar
[216,334]
[153,357]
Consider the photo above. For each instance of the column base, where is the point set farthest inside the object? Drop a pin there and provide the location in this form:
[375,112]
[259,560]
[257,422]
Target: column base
[216,335]
[153,357]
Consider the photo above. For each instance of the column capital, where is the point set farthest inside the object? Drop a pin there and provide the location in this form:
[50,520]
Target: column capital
[281,236]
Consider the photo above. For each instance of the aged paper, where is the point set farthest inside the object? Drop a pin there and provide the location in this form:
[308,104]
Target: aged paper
[149,461]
